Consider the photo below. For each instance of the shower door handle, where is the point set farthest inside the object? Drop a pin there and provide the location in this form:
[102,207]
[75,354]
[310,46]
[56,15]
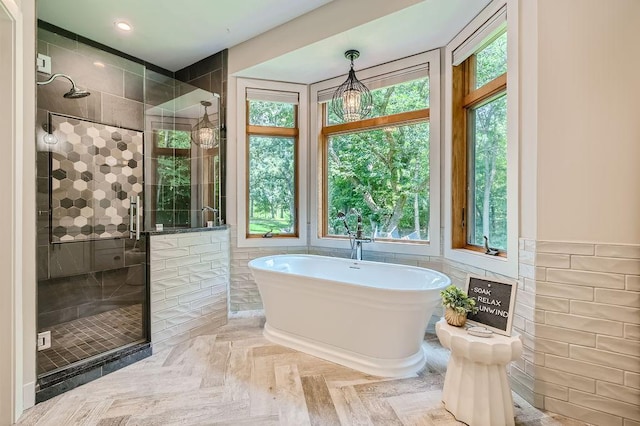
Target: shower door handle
[134,217]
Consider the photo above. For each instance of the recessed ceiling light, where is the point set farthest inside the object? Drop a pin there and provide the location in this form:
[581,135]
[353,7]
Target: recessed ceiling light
[123,25]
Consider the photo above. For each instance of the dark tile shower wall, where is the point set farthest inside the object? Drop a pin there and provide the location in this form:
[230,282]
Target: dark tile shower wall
[116,85]
[80,279]
[210,74]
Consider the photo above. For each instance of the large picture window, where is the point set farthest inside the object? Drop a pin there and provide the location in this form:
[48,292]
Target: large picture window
[378,168]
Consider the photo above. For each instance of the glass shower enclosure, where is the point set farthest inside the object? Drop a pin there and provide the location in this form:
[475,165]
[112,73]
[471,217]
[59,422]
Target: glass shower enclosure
[111,166]
[93,301]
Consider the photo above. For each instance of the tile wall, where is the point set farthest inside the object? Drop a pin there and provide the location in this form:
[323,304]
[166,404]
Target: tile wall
[189,284]
[95,171]
[76,278]
[579,304]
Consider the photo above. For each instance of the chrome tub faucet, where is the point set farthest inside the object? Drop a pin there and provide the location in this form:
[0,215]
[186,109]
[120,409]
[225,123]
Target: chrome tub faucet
[355,238]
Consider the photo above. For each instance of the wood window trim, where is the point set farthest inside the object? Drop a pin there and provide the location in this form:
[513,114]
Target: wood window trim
[375,123]
[466,97]
[399,119]
[272,131]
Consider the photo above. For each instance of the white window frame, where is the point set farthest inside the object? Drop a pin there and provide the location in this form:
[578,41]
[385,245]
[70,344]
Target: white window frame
[505,266]
[315,110]
[241,162]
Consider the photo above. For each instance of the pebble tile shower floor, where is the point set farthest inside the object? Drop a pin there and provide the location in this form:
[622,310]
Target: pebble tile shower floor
[85,337]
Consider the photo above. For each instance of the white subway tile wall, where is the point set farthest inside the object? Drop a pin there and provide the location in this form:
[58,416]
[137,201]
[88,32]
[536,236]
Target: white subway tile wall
[189,285]
[588,334]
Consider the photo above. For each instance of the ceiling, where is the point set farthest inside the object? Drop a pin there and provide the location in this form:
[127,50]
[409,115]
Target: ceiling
[424,26]
[172,34]
[177,36]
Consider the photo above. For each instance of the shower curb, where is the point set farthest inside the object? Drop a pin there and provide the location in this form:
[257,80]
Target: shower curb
[57,383]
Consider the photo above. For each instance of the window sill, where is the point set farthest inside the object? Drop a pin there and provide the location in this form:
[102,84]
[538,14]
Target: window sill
[379,246]
[507,266]
[274,241]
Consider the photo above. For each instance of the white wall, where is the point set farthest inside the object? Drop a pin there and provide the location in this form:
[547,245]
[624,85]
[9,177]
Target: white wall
[29,281]
[588,121]
[528,116]
[17,174]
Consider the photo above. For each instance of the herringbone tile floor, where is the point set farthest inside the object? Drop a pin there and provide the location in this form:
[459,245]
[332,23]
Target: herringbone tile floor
[236,377]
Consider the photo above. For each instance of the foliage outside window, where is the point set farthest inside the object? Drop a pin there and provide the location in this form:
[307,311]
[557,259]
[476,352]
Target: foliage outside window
[272,137]
[379,167]
[172,189]
[480,148]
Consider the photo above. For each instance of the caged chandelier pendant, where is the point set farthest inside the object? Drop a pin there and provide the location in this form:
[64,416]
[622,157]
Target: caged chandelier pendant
[351,101]
[205,134]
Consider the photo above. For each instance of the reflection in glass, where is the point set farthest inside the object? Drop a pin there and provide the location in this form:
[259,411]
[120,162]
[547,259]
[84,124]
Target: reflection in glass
[183,176]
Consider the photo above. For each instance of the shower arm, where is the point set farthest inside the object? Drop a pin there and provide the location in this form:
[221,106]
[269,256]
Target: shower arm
[53,77]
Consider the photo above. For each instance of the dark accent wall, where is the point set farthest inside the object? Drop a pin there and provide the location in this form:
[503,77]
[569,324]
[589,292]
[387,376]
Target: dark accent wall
[78,279]
[210,74]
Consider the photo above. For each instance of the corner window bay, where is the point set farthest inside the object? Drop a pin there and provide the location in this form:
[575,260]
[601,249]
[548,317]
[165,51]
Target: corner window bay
[378,168]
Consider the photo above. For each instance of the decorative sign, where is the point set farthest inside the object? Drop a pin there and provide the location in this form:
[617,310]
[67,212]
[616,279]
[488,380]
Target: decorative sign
[495,300]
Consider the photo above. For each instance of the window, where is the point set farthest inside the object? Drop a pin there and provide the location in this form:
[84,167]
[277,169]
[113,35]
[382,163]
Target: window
[272,135]
[271,148]
[379,167]
[481,142]
[272,139]
[479,168]
[172,177]
[384,168]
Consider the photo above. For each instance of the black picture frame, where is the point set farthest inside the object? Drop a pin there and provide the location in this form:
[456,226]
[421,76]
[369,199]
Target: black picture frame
[495,300]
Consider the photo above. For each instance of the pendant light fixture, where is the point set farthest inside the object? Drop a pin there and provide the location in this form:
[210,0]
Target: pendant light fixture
[205,134]
[352,101]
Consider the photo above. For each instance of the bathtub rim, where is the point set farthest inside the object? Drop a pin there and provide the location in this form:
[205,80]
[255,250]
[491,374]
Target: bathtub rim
[391,368]
[253,266]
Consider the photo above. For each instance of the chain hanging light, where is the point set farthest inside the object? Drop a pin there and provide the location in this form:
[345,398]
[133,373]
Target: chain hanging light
[205,134]
[352,101]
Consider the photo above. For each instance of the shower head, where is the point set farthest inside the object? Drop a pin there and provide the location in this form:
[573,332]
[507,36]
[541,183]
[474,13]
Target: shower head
[74,93]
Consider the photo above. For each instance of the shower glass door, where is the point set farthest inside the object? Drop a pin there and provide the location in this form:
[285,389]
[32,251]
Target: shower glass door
[93,300]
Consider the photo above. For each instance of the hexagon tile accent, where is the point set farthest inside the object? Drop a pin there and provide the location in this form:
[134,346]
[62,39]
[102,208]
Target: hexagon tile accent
[95,168]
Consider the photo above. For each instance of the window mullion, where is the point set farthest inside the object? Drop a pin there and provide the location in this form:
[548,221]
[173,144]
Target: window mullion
[491,89]
[378,122]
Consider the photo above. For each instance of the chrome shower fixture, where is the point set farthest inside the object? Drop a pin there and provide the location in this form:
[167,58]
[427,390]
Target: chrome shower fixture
[74,93]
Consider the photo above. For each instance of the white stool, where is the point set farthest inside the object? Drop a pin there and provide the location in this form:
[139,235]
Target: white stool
[476,388]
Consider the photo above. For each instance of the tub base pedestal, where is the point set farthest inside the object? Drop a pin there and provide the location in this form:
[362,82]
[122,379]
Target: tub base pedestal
[397,368]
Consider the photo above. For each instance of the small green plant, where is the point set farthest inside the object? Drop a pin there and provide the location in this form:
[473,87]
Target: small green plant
[458,300]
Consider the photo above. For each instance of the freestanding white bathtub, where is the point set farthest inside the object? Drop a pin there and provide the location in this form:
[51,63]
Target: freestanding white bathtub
[368,316]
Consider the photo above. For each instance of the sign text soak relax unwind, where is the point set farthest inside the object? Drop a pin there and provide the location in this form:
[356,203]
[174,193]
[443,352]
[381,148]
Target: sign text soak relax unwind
[495,300]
